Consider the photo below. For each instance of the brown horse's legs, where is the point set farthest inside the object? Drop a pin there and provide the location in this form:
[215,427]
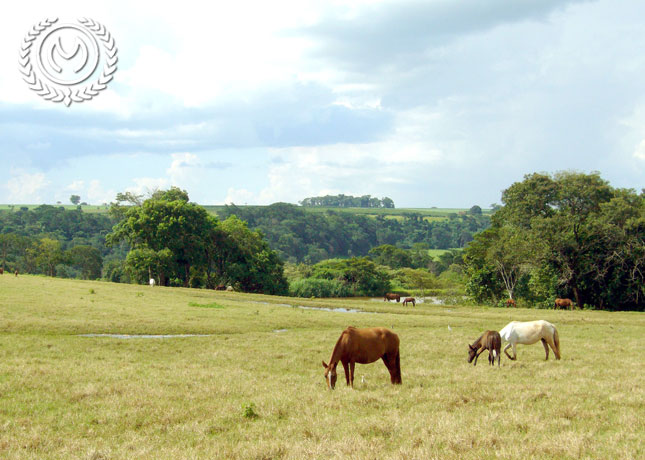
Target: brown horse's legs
[351,373]
[546,349]
[393,364]
[395,369]
[481,350]
[346,368]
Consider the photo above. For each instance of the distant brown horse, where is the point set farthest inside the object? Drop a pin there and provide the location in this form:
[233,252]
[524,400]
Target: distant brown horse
[1,271]
[411,300]
[563,303]
[511,303]
[489,340]
[390,296]
[16,272]
[220,287]
[364,346]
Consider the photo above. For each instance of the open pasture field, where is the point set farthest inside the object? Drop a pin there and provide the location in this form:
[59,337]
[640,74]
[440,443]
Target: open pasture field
[250,385]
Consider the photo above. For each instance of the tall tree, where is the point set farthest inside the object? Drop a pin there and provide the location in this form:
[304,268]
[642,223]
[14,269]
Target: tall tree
[47,253]
[87,259]
[177,225]
[582,234]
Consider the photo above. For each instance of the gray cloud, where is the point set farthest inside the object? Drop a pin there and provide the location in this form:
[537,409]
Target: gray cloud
[276,117]
[384,36]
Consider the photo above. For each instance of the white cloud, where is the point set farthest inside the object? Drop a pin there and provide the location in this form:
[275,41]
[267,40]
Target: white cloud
[639,153]
[240,196]
[148,185]
[96,194]
[184,169]
[25,188]
[76,186]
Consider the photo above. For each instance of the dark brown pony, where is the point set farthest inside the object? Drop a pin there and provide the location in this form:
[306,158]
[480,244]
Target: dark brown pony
[390,296]
[489,340]
[1,271]
[511,303]
[411,300]
[563,303]
[364,346]
[16,272]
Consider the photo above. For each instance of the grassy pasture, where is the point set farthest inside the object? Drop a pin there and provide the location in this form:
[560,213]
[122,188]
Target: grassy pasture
[253,388]
[436,253]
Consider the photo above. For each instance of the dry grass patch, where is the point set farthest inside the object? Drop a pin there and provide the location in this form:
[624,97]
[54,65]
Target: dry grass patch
[247,392]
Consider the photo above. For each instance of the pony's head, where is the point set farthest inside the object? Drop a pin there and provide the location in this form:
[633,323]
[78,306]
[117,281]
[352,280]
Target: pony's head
[472,351]
[330,375]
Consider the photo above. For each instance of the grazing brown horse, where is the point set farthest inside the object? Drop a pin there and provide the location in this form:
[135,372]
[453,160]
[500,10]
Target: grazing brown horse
[364,346]
[390,296]
[489,340]
[411,300]
[563,303]
[511,303]
[1,271]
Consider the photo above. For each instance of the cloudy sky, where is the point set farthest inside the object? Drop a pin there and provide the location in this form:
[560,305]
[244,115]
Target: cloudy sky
[432,103]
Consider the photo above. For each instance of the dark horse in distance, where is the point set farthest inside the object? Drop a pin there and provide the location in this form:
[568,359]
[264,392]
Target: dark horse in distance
[390,296]
[364,346]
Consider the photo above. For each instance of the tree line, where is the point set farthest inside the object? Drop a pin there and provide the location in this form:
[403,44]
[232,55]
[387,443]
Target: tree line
[54,241]
[302,236]
[179,244]
[347,201]
[563,235]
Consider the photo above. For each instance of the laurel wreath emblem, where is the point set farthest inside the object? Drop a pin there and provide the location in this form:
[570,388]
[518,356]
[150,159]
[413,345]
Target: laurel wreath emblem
[67,95]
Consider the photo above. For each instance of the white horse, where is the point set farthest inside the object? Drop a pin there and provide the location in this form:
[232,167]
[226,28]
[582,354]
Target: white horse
[152,282]
[528,333]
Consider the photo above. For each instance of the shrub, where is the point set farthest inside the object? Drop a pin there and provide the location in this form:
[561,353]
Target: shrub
[312,287]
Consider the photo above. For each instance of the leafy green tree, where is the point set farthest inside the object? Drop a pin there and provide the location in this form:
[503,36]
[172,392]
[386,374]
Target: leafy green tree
[244,258]
[86,259]
[389,255]
[75,199]
[419,279]
[8,241]
[47,253]
[362,276]
[143,264]
[582,238]
[179,226]
[508,250]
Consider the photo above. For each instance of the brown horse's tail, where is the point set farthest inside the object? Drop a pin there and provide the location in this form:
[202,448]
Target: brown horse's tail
[556,342]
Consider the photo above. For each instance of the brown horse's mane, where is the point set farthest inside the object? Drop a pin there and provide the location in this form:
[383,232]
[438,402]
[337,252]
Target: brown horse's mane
[478,341]
[335,354]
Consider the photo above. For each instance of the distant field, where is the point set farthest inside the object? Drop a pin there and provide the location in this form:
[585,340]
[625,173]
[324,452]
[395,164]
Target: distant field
[87,208]
[435,253]
[430,214]
[252,387]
